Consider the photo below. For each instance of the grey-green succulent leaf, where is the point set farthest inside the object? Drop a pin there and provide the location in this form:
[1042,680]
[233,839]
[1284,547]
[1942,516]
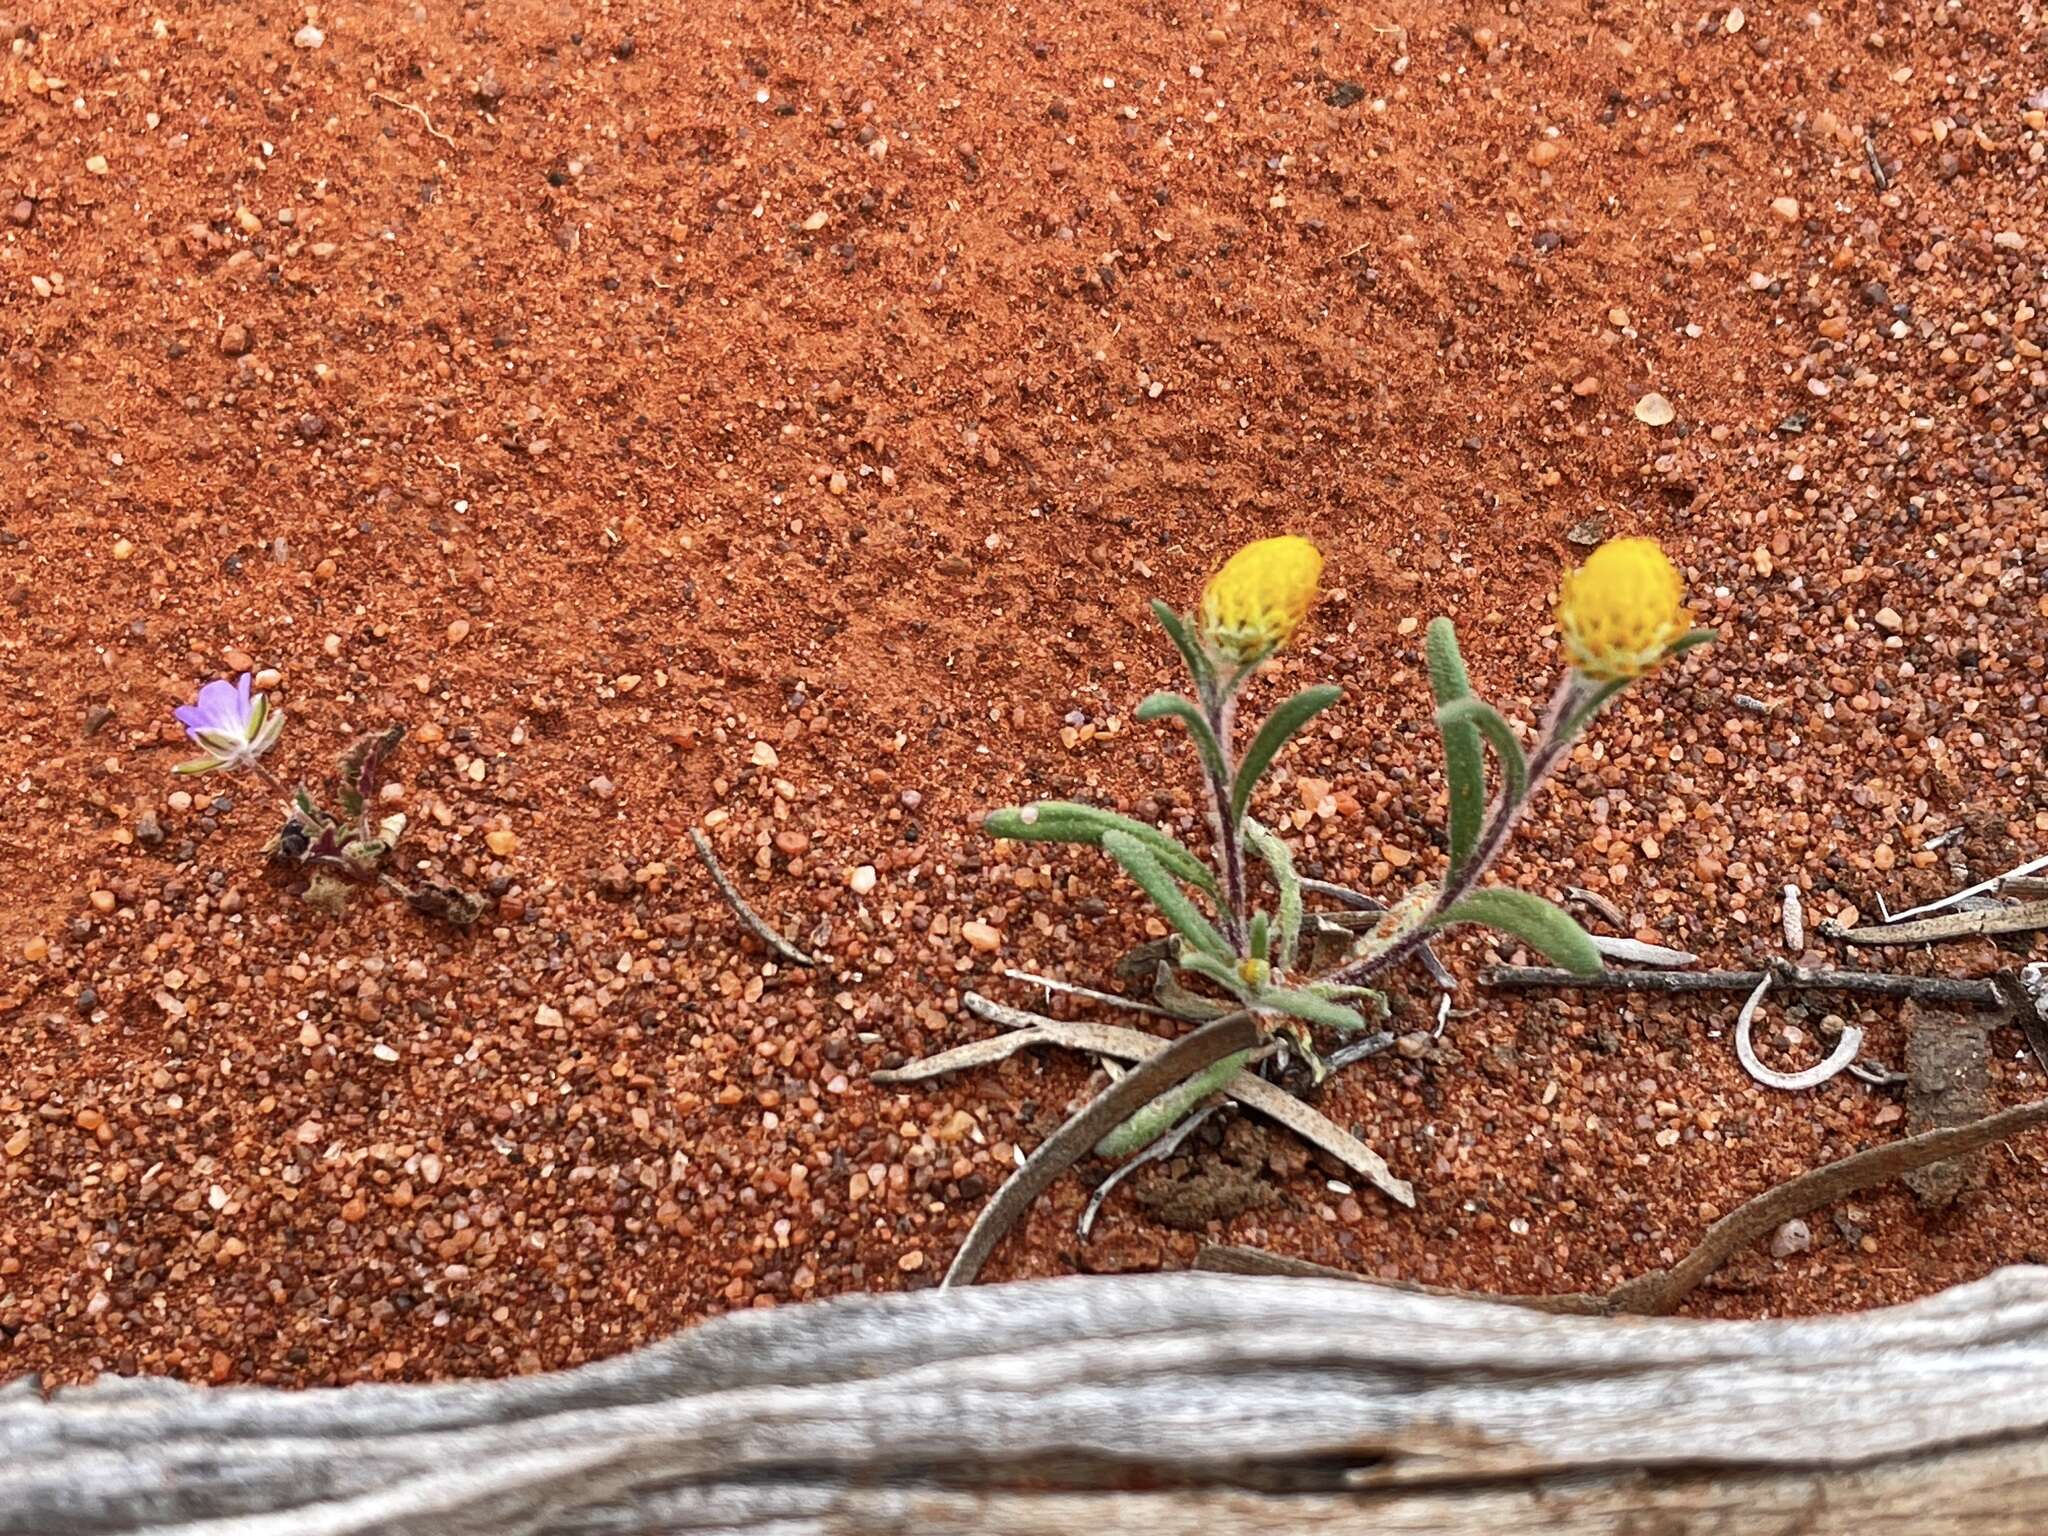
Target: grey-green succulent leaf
[1166,1111]
[1184,709]
[1291,715]
[1273,850]
[1199,666]
[1476,712]
[1464,758]
[1447,677]
[1068,821]
[1531,919]
[1302,1004]
[1338,992]
[1152,877]
[1221,972]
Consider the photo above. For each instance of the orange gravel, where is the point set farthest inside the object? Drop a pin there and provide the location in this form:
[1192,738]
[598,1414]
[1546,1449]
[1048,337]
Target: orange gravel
[773,419]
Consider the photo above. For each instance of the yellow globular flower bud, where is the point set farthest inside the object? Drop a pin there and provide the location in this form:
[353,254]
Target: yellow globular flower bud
[1260,597]
[1622,611]
[1254,972]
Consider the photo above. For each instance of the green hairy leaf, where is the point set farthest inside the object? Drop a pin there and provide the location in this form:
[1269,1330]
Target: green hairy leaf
[1337,992]
[1514,768]
[1200,668]
[1222,972]
[1290,717]
[1152,878]
[1068,821]
[1447,676]
[1464,758]
[1261,936]
[1158,705]
[1165,1112]
[1281,863]
[1529,918]
[1693,638]
[1314,1009]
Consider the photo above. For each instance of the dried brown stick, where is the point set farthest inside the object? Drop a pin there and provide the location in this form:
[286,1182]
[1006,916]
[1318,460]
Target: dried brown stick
[1097,1118]
[1661,1290]
[1985,993]
[2031,917]
[745,913]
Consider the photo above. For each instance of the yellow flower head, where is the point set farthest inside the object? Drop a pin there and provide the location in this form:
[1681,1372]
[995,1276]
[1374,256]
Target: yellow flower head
[1622,611]
[1260,597]
[1254,972]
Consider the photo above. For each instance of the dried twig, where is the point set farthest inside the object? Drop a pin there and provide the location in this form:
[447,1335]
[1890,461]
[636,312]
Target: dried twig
[1110,1040]
[418,112]
[1981,888]
[1597,904]
[2031,917]
[1097,1118]
[1661,1290]
[746,914]
[1111,998]
[1991,992]
[1158,1152]
[1358,1050]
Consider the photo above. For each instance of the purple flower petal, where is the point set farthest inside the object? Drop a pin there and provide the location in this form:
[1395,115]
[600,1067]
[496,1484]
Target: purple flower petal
[223,706]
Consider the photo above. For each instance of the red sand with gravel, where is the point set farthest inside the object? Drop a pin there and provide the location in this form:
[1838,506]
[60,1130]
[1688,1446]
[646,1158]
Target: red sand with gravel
[773,419]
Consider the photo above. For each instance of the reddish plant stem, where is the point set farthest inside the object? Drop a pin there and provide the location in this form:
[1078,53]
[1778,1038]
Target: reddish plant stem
[1560,728]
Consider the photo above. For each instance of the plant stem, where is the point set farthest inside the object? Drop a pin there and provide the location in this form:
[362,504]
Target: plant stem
[1567,711]
[1220,703]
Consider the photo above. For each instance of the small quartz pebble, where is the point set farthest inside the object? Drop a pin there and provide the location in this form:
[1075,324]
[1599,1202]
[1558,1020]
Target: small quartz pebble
[764,756]
[1734,20]
[1786,208]
[309,36]
[501,841]
[982,936]
[97,164]
[1544,151]
[1653,410]
[1793,1237]
[863,880]
[383,1052]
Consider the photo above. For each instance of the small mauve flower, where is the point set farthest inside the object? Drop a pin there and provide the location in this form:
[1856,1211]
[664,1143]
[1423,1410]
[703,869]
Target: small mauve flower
[234,726]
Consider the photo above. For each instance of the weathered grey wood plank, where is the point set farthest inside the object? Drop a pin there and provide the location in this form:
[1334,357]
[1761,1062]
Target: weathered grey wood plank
[1240,1404]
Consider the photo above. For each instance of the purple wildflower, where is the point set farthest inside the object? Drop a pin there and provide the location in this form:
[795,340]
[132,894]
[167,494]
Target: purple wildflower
[233,726]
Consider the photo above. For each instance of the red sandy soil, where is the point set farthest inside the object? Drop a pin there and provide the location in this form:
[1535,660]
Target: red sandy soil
[603,391]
